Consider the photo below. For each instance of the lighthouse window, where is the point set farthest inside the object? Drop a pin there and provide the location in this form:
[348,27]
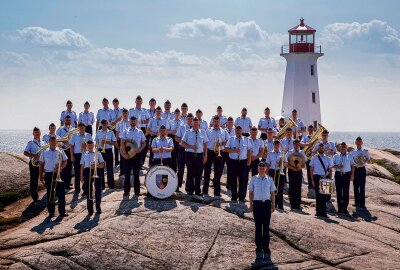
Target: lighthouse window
[312,70]
[313,97]
[315,124]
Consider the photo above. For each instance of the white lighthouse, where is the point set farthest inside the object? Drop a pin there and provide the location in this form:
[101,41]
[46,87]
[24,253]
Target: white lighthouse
[301,91]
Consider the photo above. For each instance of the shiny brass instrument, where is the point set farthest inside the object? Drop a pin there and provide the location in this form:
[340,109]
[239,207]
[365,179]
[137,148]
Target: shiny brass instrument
[65,139]
[54,181]
[296,160]
[360,160]
[289,124]
[93,177]
[103,149]
[131,148]
[83,145]
[217,147]
[313,141]
[113,124]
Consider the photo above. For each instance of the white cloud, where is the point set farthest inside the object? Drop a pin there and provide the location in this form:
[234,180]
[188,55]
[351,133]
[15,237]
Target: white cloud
[375,30]
[50,38]
[248,31]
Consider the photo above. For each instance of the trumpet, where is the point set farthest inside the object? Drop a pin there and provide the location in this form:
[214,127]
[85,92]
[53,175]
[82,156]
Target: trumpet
[103,150]
[54,181]
[217,147]
[83,145]
[94,176]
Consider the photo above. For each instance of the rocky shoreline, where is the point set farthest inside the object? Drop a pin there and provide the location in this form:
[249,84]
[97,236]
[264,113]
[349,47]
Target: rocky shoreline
[193,232]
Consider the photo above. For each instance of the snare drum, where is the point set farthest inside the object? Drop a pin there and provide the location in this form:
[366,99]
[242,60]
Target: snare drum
[326,186]
[161,181]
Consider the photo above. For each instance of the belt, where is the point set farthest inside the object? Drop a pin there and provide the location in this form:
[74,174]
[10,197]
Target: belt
[260,200]
[48,171]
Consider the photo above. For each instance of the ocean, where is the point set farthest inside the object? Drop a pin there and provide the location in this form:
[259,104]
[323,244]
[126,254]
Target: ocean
[14,141]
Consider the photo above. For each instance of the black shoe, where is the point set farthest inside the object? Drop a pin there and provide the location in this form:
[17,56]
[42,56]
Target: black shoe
[137,194]
[64,215]
[234,200]
[126,194]
[90,213]
[242,200]
[50,216]
[217,195]
[322,215]
[98,211]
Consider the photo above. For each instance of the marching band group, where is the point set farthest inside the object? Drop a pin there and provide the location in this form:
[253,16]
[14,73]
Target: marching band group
[180,140]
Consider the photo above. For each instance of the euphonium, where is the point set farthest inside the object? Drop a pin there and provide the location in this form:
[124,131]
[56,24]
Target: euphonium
[289,124]
[313,141]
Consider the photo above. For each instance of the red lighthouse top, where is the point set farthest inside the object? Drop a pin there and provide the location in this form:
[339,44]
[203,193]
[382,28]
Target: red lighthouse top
[301,38]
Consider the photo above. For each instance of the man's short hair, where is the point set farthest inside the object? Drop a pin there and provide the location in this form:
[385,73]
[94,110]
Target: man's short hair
[36,129]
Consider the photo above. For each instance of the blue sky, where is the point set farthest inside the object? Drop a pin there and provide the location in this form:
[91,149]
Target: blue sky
[203,52]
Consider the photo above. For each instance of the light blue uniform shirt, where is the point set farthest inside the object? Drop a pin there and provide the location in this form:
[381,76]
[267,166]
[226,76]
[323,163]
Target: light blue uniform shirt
[306,138]
[197,138]
[300,126]
[257,144]
[87,118]
[222,120]
[122,126]
[62,132]
[134,134]
[50,158]
[77,140]
[274,160]
[162,142]
[203,125]
[33,146]
[151,113]
[114,114]
[168,115]
[364,155]
[267,123]
[141,116]
[215,135]
[184,118]
[174,124]
[244,123]
[46,137]
[242,143]
[269,145]
[318,168]
[182,129]
[230,133]
[103,114]
[346,160]
[330,148]
[286,144]
[261,187]
[72,114]
[109,136]
[155,124]
[87,159]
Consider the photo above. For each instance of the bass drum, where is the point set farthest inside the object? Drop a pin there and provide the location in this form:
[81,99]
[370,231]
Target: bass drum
[161,181]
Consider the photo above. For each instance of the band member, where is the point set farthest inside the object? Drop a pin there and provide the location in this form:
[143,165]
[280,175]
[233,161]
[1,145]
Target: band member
[30,151]
[222,118]
[295,175]
[184,112]
[203,123]
[105,140]
[182,153]
[239,149]
[344,173]
[62,132]
[174,125]
[132,134]
[265,123]
[229,132]
[244,122]
[162,147]
[48,170]
[78,147]
[114,117]
[329,147]
[70,113]
[361,157]
[195,142]
[167,114]
[152,108]
[87,118]
[274,167]
[142,119]
[262,204]
[52,133]
[287,141]
[103,114]
[153,127]
[297,131]
[304,142]
[281,124]
[120,128]
[87,168]
[268,143]
[257,151]
[216,140]
[321,167]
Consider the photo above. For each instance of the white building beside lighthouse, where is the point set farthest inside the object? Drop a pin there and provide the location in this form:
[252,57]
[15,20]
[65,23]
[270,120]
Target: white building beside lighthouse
[301,91]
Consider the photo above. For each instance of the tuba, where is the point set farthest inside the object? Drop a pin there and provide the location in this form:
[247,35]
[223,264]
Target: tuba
[289,124]
[313,141]
[35,162]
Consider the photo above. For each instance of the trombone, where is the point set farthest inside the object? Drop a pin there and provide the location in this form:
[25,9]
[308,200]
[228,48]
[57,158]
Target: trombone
[94,176]
[54,181]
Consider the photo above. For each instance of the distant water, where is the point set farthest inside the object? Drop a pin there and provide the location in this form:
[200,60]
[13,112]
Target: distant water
[15,140]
